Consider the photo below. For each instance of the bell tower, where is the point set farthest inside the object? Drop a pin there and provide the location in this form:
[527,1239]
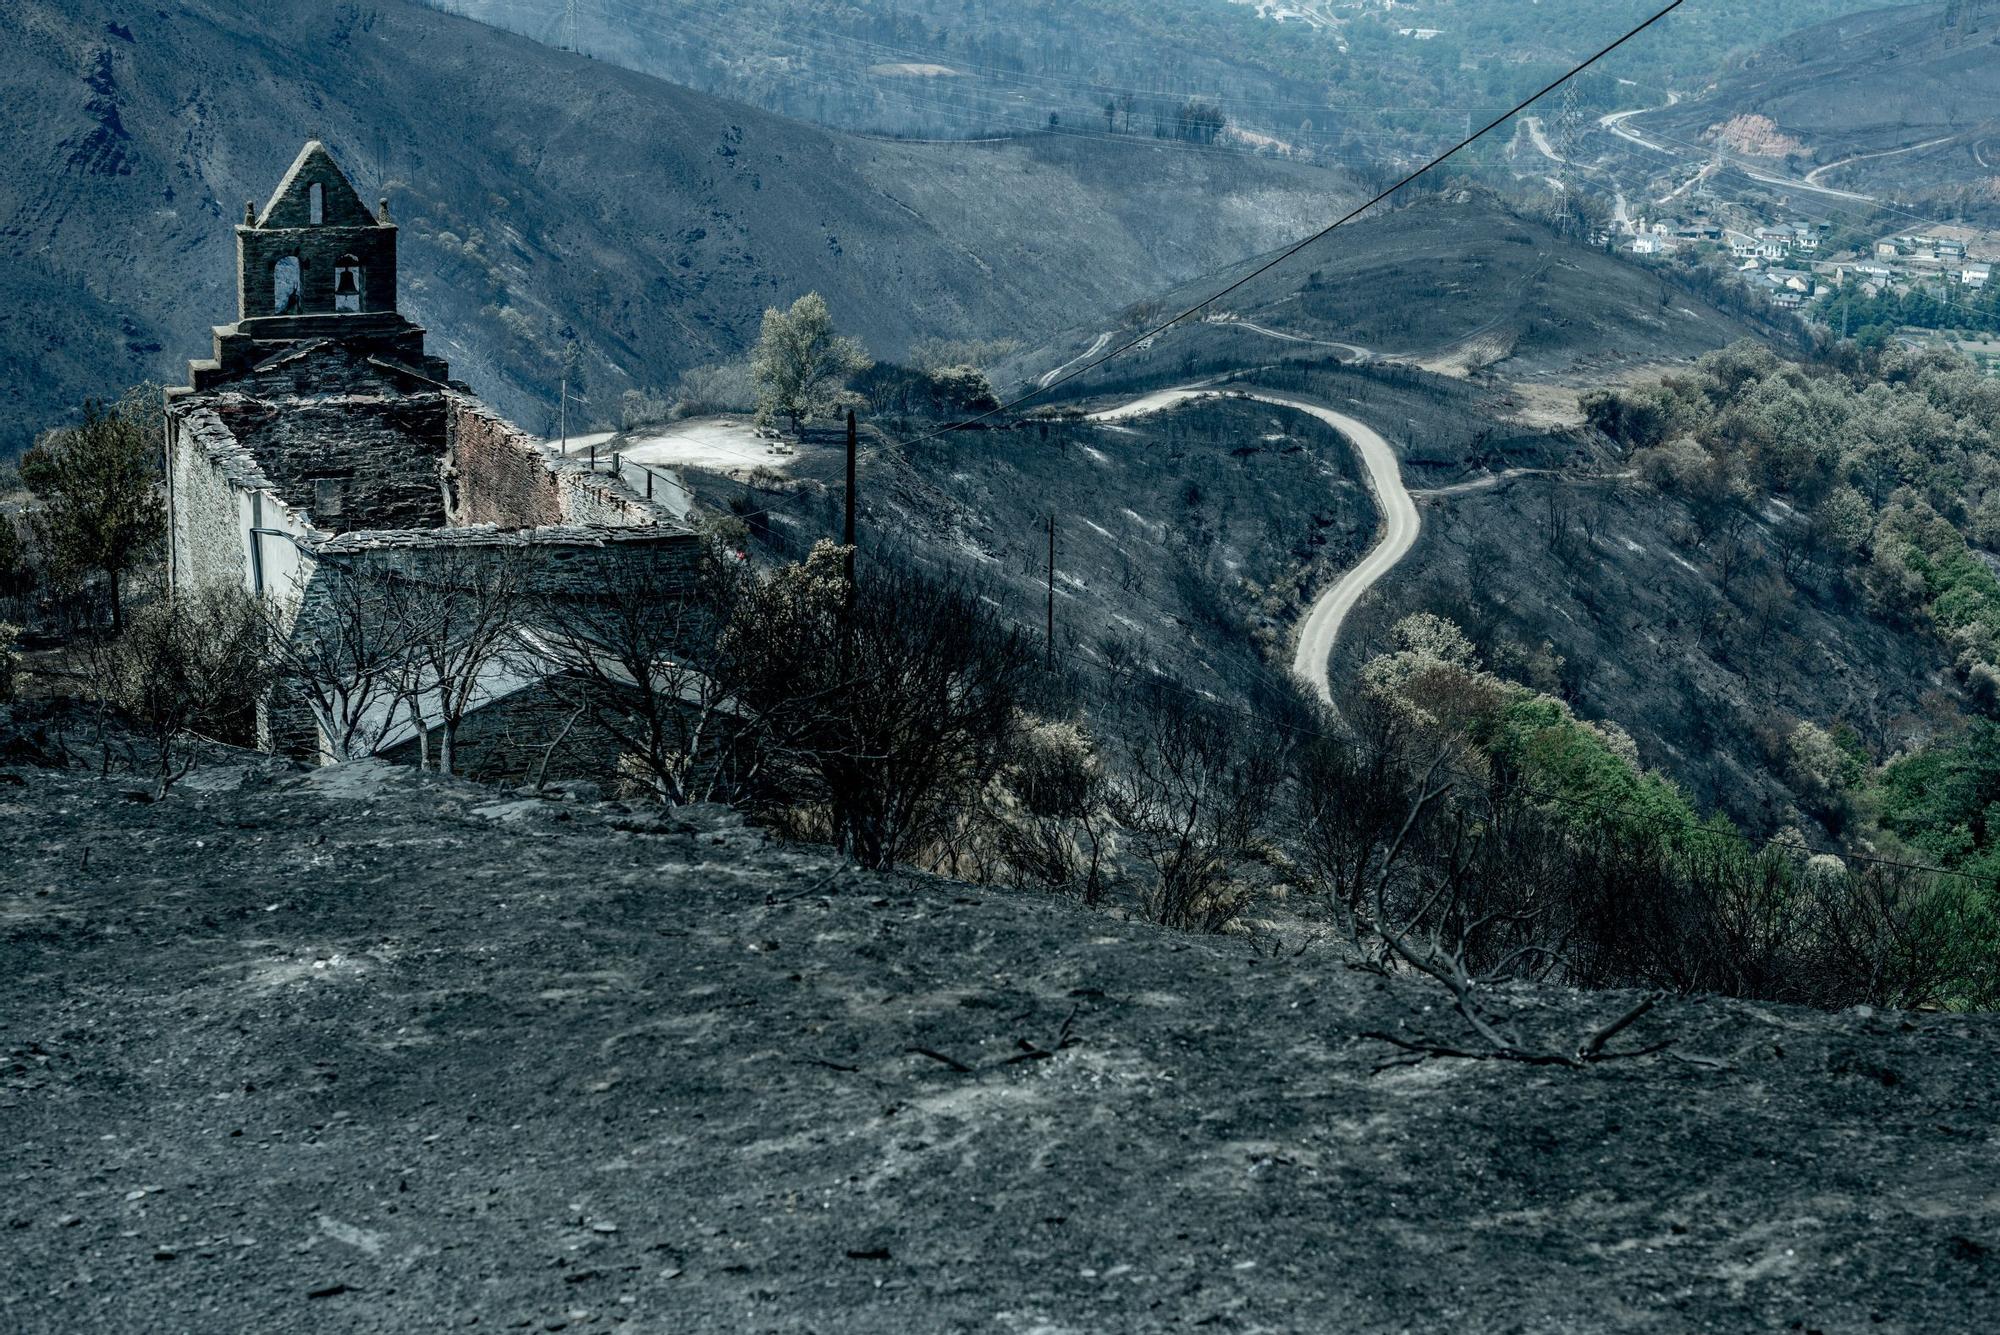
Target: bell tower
[316,266]
[315,250]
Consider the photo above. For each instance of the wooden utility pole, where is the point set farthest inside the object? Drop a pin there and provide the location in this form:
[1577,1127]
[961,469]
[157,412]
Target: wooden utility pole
[847,528]
[1052,591]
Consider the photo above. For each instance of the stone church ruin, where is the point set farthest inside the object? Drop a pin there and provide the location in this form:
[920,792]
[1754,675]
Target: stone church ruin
[322,450]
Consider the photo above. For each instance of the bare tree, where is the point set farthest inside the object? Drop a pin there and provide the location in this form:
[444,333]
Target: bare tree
[884,705]
[1348,810]
[345,654]
[1191,798]
[185,667]
[459,610]
[1481,908]
[637,643]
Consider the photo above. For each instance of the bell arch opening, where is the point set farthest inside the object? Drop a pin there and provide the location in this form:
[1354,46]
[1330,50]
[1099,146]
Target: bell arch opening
[285,286]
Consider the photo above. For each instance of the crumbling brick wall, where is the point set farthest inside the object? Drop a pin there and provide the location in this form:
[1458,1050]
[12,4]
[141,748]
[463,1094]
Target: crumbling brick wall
[497,475]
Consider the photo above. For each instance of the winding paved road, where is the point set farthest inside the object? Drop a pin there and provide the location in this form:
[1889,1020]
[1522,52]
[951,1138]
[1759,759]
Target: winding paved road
[1400,524]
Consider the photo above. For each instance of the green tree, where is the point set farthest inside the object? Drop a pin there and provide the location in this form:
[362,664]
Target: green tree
[959,390]
[800,365]
[97,486]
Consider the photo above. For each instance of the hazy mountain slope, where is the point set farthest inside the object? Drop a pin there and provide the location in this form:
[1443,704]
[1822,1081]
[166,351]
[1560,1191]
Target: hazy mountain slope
[536,191]
[1870,83]
[1340,79]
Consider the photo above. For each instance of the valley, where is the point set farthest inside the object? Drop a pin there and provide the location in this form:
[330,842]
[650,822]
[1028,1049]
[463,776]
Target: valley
[835,668]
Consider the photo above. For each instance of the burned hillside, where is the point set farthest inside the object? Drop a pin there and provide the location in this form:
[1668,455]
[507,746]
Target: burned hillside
[372,1050]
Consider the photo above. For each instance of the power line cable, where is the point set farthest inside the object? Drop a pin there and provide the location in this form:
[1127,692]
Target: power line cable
[1040,390]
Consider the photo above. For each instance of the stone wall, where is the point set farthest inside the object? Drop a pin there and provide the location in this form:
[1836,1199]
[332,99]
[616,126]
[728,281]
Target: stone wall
[350,442]
[207,537]
[506,742]
[555,562]
[590,497]
[319,252]
[500,475]
[497,474]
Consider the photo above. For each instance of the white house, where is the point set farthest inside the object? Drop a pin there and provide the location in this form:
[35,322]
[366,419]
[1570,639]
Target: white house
[1975,275]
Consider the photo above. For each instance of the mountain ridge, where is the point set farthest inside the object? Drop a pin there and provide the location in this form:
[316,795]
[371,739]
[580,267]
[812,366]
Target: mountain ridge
[540,192]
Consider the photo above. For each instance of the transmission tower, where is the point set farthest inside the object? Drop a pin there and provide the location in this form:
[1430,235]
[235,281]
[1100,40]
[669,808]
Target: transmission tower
[1569,119]
[566,35]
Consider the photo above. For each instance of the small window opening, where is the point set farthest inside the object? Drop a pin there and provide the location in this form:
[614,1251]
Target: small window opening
[347,284]
[285,285]
[328,493]
[316,203]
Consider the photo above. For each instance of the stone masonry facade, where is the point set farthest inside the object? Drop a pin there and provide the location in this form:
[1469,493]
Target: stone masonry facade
[321,431]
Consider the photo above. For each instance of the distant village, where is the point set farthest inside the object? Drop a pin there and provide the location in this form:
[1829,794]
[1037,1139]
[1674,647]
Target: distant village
[1797,262]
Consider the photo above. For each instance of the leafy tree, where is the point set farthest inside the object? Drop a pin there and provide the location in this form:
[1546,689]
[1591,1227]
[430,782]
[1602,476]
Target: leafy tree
[98,486]
[1841,523]
[1198,122]
[957,390]
[800,365]
[17,576]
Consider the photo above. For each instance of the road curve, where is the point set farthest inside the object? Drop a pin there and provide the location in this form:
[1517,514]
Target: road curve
[1096,347]
[1321,628]
[1230,321]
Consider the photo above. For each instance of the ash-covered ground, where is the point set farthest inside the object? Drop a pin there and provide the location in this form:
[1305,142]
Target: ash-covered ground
[359,1049]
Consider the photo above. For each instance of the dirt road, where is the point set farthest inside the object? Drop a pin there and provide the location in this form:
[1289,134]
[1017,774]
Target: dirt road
[1400,524]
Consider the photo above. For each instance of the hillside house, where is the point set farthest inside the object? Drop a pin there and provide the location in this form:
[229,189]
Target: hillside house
[1975,276]
[322,441]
